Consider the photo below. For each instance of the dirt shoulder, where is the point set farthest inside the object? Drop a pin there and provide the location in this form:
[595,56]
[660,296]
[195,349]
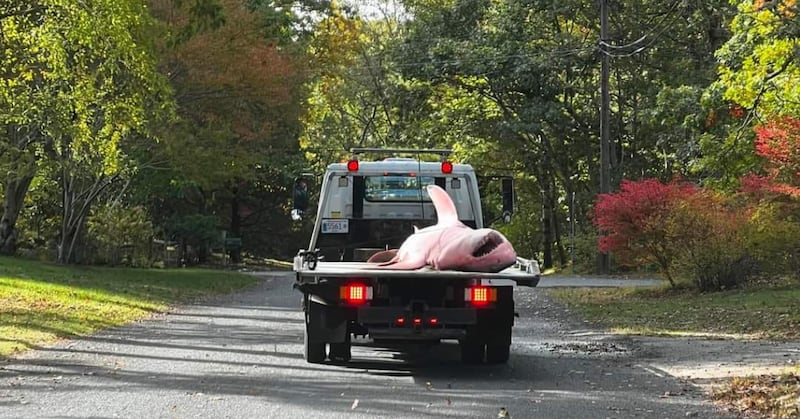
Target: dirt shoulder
[723,343]
[707,362]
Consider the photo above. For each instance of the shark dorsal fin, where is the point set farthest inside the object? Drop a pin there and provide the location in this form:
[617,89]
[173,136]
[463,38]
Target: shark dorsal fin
[445,209]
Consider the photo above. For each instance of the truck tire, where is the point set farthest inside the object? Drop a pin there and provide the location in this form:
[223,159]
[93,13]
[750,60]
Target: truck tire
[498,347]
[472,352]
[497,353]
[313,351]
[340,351]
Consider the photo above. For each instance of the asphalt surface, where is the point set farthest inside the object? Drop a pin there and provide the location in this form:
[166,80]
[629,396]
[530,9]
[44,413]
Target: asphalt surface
[240,356]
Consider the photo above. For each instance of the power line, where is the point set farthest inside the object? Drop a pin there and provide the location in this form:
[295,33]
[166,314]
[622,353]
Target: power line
[669,14]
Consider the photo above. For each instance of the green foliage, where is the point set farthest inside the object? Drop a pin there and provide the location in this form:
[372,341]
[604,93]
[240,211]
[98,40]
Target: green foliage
[773,237]
[79,83]
[121,235]
[585,252]
[711,238]
[234,144]
[758,70]
[195,229]
[757,81]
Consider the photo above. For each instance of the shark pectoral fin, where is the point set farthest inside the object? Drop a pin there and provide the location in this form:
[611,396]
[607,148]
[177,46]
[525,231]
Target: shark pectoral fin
[383,256]
[403,264]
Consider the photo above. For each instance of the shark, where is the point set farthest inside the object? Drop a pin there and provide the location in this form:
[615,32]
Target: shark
[449,244]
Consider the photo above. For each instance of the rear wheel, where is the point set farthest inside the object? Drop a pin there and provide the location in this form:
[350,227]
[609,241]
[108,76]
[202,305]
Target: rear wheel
[472,352]
[314,352]
[497,353]
[498,348]
[340,352]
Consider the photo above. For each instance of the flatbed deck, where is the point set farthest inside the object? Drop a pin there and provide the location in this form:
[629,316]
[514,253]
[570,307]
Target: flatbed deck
[524,272]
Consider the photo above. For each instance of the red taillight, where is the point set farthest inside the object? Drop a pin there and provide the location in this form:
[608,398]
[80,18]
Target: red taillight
[352,166]
[447,167]
[400,321]
[417,321]
[480,295]
[433,321]
[355,293]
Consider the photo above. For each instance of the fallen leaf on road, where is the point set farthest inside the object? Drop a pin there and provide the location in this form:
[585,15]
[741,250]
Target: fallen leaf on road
[355,404]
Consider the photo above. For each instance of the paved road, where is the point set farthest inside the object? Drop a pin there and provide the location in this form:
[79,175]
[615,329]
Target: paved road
[241,356]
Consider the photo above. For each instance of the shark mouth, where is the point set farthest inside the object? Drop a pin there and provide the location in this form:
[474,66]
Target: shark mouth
[488,244]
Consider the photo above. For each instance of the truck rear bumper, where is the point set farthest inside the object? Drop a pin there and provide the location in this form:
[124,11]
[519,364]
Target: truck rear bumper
[450,323]
[444,316]
[408,333]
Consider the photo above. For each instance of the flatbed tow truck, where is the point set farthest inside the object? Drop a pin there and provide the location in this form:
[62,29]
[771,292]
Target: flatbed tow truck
[369,206]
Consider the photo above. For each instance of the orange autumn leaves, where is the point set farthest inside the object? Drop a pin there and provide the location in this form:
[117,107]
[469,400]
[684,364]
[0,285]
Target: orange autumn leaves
[225,74]
[785,7]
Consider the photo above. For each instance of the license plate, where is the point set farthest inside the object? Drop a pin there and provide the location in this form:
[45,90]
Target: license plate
[335,226]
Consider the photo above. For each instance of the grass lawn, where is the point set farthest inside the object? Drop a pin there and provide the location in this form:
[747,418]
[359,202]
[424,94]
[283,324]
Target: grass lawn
[769,312]
[40,303]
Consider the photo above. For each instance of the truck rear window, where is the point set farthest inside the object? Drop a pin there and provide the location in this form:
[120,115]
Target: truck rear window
[397,188]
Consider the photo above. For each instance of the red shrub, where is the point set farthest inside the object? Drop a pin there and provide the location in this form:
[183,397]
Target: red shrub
[638,221]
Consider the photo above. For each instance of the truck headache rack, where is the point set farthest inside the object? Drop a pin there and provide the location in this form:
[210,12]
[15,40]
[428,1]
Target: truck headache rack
[443,153]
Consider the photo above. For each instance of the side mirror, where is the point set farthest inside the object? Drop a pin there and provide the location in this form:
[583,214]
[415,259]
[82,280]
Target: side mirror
[300,198]
[508,198]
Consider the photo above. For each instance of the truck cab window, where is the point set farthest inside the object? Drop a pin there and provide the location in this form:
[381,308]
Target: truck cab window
[397,188]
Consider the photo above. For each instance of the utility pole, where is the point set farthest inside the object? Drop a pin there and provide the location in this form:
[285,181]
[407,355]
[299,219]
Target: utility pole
[605,170]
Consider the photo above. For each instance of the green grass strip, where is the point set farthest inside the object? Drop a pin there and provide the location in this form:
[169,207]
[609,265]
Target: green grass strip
[769,312]
[40,303]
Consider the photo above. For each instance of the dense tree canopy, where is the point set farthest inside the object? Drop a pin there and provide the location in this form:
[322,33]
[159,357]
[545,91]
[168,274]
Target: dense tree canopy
[187,118]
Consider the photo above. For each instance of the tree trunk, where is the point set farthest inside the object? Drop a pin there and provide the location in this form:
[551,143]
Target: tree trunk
[68,220]
[547,220]
[16,189]
[556,219]
[77,201]
[236,227]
